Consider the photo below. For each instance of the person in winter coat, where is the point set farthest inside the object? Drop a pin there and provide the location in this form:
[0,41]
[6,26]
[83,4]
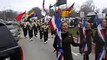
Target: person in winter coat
[25,28]
[67,40]
[30,30]
[101,41]
[35,30]
[87,41]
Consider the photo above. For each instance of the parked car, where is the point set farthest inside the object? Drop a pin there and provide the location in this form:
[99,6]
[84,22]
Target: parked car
[13,27]
[9,49]
[1,20]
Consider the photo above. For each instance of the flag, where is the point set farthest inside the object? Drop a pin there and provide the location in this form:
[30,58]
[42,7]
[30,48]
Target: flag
[67,11]
[55,24]
[101,53]
[52,24]
[35,15]
[84,47]
[50,8]
[57,21]
[43,12]
[59,39]
[60,2]
[30,15]
[20,16]
[71,7]
[98,20]
[99,27]
[44,6]
[84,28]
[65,14]
[58,12]
[78,32]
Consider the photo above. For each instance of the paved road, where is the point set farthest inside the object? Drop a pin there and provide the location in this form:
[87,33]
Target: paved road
[37,50]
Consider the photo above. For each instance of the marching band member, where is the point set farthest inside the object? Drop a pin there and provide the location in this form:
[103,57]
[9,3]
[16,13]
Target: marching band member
[30,29]
[46,28]
[41,31]
[25,28]
[35,28]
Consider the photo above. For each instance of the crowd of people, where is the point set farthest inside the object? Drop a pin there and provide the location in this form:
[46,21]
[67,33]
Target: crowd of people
[86,37]
[34,27]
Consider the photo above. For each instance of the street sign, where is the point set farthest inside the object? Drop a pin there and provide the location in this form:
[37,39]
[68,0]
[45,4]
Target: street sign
[82,14]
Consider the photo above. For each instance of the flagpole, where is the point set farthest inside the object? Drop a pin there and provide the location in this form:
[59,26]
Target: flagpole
[66,8]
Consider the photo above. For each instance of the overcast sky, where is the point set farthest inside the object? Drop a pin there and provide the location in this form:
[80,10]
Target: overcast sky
[22,5]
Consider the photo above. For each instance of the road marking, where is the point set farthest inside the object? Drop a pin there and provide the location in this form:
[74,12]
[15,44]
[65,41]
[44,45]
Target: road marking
[76,54]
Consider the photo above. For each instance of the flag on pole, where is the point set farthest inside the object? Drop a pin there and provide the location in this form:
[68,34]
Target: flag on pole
[97,20]
[44,5]
[84,47]
[44,10]
[50,8]
[30,15]
[56,23]
[35,15]
[68,11]
[20,16]
[60,2]
[65,14]
[52,24]
[101,53]
[59,39]
[58,12]
[71,7]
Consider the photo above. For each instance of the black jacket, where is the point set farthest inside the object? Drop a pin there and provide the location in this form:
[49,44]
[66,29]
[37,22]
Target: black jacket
[80,32]
[99,42]
[89,36]
[67,40]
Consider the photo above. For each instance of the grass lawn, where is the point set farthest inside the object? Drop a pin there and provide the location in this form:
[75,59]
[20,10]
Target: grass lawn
[73,31]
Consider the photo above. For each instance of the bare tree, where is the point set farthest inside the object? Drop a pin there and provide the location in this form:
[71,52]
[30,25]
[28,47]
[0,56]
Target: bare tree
[74,14]
[8,14]
[88,6]
[104,10]
[97,10]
